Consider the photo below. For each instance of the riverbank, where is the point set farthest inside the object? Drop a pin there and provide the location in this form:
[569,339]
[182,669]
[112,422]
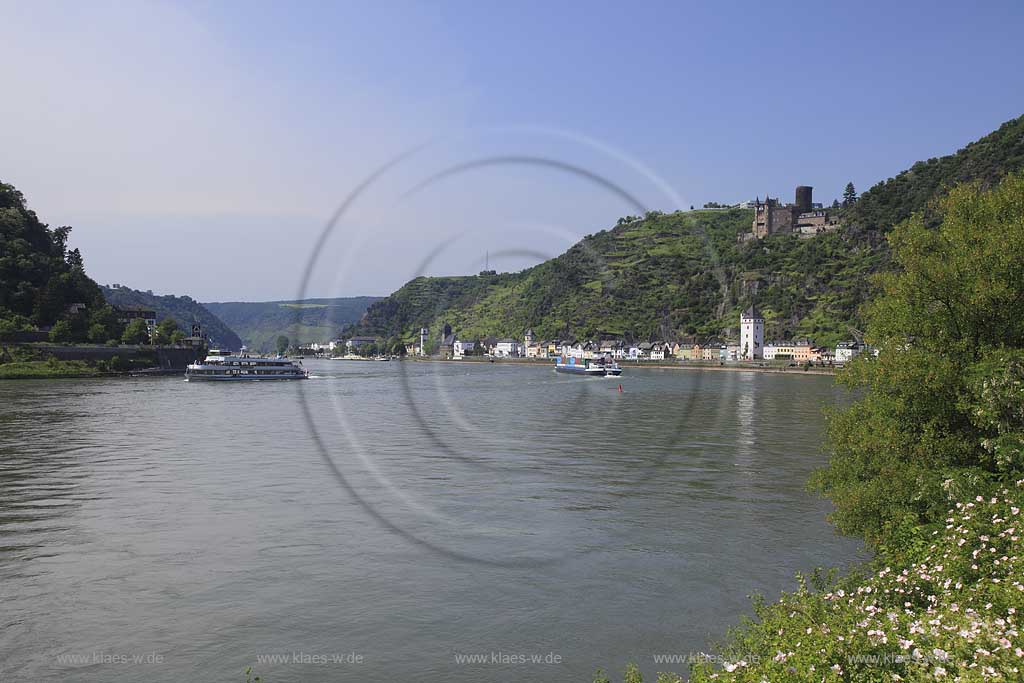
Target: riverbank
[46,369]
[626,365]
[71,361]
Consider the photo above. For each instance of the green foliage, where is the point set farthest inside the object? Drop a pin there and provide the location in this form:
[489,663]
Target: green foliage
[104,317]
[165,331]
[947,613]
[985,161]
[995,403]
[183,309]
[282,343]
[50,368]
[632,674]
[11,323]
[938,411]
[849,195]
[39,277]
[135,332]
[259,324]
[62,332]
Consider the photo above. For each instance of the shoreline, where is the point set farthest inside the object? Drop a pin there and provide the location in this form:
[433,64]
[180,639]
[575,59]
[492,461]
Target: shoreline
[644,366]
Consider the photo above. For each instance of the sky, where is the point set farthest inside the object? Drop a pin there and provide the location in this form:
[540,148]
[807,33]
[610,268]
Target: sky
[203,148]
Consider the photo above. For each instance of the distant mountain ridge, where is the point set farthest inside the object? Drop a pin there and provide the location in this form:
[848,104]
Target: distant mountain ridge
[184,309]
[684,274]
[259,324]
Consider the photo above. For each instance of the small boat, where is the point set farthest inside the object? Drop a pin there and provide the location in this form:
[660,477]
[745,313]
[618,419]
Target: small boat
[614,370]
[587,368]
[224,366]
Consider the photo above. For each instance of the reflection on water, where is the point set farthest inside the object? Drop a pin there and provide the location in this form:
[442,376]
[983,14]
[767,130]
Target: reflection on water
[199,522]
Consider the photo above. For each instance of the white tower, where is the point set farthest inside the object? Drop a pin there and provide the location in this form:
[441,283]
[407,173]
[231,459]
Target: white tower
[751,334]
[528,339]
[423,341]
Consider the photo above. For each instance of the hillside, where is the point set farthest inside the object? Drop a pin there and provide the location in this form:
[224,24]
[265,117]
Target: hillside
[39,276]
[683,274]
[645,279]
[986,161]
[183,309]
[259,324]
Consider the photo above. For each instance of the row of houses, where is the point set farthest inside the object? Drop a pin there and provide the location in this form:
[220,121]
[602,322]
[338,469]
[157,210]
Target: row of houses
[800,351]
[751,346]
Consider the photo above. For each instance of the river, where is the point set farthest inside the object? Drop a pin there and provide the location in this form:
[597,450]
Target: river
[399,521]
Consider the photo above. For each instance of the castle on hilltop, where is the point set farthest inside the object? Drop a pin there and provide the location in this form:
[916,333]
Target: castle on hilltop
[803,217]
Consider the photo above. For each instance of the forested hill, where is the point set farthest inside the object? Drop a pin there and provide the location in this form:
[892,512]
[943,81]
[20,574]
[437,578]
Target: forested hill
[648,278]
[39,276]
[260,323]
[184,309]
[985,161]
[671,276]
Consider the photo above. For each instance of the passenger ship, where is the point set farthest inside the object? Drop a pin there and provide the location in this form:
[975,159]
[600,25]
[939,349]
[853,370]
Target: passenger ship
[588,368]
[223,366]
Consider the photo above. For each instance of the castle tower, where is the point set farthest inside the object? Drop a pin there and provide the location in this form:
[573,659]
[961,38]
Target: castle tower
[804,198]
[751,334]
[528,339]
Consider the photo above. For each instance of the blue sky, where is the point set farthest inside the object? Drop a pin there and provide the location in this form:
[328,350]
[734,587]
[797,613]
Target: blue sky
[198,148]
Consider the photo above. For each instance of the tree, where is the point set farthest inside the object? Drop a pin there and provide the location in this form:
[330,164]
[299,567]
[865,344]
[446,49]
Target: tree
[106,317]
[13,323]
[165,330]
[97,334]
[835,203]
[62,332]
[135,332]
[928,428]
[282,344]
[849,195]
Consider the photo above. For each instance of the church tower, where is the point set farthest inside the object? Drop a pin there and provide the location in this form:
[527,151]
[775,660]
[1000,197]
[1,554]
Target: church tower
[751,334]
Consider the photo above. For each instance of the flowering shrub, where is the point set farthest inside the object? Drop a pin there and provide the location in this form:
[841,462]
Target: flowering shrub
[950,615]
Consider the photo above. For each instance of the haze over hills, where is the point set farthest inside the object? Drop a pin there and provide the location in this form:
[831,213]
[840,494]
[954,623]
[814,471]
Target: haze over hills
[670,276]
[260,323]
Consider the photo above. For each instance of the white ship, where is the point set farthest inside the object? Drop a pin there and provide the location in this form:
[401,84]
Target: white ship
[222,366]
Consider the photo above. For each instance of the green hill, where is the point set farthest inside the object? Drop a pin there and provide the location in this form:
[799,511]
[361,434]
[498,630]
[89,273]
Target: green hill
[984,161]
[260,323]
[649,278]
[39,276]
[682,274]
[184,309]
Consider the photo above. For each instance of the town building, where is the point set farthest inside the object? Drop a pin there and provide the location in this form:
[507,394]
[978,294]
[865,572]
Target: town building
[461,349]
[446,349]
[507,348]
[356,342]
[751,334]
[848,350]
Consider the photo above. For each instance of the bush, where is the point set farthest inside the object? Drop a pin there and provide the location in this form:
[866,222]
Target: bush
[62,332]
[135,332]
[951,613]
